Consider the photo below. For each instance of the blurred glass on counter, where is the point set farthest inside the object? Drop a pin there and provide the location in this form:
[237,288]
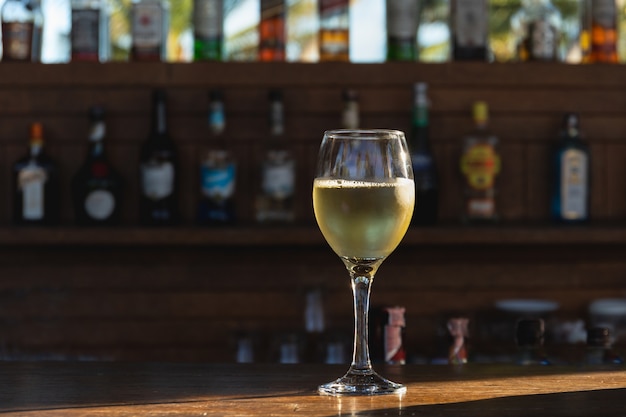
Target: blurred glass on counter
[529,339]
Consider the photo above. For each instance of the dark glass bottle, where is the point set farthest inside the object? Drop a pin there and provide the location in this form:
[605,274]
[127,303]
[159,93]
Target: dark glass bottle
[402,21]
[218,172]
[158,184]
[424,166]
[208,30]
[571,175]
[470,30]
[35,184]
[599,350]
[272,31]
[529,337]
[18,23]
[97,187]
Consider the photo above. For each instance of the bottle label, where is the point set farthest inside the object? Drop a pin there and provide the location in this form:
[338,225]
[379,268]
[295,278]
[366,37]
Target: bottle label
[481,208]
[100,204]
[402,19]
[208,16]
[147,25]
[480,164]
[31,182]
[471,23]
[604,13]
[279,179]
[85,32]
[218,182]
[543,40]
[574,184]
[157,179]
[17,40]
[420,116]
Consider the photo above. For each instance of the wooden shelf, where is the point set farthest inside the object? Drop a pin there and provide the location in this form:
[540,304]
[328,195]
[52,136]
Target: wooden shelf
[536,235]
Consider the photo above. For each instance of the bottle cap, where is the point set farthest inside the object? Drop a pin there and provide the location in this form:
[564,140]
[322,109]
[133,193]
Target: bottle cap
[529,332]
[481,111]
[36,133]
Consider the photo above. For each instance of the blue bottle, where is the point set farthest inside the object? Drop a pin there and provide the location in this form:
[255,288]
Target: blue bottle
[571,175]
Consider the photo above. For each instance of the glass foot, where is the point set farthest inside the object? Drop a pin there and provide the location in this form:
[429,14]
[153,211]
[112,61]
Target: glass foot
[361,383]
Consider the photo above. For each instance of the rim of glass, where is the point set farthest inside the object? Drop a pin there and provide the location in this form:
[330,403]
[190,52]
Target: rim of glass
[363,133]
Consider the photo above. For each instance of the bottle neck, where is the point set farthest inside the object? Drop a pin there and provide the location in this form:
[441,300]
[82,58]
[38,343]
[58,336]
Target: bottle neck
[96,138]
[277,127]
[159,117]
[36,146]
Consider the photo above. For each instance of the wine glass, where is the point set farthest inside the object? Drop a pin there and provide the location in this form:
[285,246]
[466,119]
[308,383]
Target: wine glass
[363,197]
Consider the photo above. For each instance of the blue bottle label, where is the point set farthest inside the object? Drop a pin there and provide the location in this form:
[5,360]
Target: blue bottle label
[218,183]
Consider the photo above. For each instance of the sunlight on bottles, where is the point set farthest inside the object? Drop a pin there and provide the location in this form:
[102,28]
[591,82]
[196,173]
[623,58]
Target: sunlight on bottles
[367,30]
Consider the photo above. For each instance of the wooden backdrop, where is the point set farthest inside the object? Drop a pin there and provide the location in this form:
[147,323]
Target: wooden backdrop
[186,293]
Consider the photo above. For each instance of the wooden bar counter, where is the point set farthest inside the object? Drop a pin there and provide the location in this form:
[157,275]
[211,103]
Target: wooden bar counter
[151,389]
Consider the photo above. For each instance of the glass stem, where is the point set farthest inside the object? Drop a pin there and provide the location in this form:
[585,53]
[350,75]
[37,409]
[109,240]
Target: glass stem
[361,287]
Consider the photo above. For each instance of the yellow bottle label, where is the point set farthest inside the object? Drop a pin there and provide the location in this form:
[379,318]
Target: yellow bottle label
[480,164]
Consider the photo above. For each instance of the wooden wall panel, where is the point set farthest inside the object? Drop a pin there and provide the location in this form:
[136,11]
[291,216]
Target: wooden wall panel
[121,296]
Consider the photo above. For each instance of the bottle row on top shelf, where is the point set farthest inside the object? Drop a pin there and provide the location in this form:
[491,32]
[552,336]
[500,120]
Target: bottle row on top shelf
[310,30]
[97,187]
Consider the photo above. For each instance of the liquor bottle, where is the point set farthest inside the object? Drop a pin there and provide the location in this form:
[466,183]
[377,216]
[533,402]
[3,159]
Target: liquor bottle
[38,20]
[90,31]
[97,187]
[529,337]
[275,200]
[18,23]
[599,348]
[571,174]
[350,117]
[208,30]
[315,326]
[458,327]
[272,31]
[470,30]
[158,183]
[603,30]
[386,329]
[149,27]
[424,166]
[480,166]
[402,22]
[334,31]
[35,184]
[218,172]
[537,28]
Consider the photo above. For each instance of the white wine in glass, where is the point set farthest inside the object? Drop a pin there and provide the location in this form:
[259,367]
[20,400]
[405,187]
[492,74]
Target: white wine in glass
[363,198]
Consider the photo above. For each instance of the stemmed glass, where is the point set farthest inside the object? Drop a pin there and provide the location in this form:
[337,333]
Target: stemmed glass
[363,197]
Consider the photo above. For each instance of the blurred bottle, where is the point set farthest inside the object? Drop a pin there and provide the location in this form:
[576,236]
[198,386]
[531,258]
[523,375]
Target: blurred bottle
[424,166]
[90,31]
[18,22]
[470,30]
[571,172]
[218,171]
[97,187]
[402,22]
[38,21]
[334,31]
[245,349]
[529,338]
[350,117]
[599,348]
[272,40]
[458,327]
[275,199]
[387,329]
[149,28]
[35,184]
[537,30]
[599,34]
[158,201]
[315,326]
[480,166]
[208,30]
